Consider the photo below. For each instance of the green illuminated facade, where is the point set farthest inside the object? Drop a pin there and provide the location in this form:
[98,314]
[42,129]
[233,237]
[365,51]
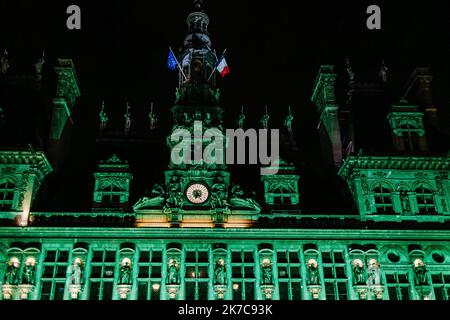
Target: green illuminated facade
[197,235]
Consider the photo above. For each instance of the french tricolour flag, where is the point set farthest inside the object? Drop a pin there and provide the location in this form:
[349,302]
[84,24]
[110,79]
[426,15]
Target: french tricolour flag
[222,67]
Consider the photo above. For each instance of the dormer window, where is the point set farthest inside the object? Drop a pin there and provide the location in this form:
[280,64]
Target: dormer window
[383,199]
[425,200]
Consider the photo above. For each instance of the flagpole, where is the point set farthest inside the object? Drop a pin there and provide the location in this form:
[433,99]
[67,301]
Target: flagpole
[217,64]
[178,64]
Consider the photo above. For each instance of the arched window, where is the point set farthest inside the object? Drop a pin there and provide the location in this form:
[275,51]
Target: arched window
[383,199]
[6,194]
[425,201]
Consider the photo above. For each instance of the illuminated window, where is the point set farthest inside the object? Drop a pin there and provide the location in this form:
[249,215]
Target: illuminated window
[398,286]
[7,189]
[334,275]
[425,201]
[111,196]
[54,274]
[441,285]
[289,275]
[196,277]
[102,275]
[149,277]
[243,276]
[282,196]
[383,200]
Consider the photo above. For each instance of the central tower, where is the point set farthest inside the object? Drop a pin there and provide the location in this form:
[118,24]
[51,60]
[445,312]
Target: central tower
[197,192]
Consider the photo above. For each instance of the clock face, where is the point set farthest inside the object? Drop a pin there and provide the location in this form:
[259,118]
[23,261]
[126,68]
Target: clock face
[197,193]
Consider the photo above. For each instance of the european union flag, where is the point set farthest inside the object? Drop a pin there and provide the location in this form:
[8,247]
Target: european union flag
[171,61]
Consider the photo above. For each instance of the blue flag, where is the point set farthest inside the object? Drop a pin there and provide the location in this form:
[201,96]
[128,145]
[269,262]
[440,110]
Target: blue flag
[171,61]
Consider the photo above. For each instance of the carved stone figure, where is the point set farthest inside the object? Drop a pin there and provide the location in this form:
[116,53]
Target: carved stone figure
[103,118]
[288,121]
[29,272]
[175,198]
[420,271]
[350,73]
[40,64]
[172,276]
[374,275]
[219,272]
[217,94]
[218,193]
[12,272]
[266,272]
[186,119]
[177,95]
[4,65]
[77,272]
[153,118]
[406,208]
[241,119]
[208,119]
[265,120]
[383,72]
[358,272]
[125,272]
[236,192]
[313,272]
[364,184]
[157,191]
[128,120]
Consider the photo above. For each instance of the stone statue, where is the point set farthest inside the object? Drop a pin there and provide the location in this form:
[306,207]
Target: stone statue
[40,64]
[313,272]
[218,193]
[236,192]
[351,74]
[420,271]
[2,117]
[241,119]
[29,273]
[288,121]
[175,198]
[186,119]
[157,190]
[374,275]
[208,119]
[265,120]
[77,272]
[367,204]
[4,65]
[153,118]
[406,208]
[103,117]
[125,272]
[267,272]
[383,72]
[172,276]
[358,272]
[12,272]
[364,184]
[177,95]
[219,272]
[217,94]
[127,117]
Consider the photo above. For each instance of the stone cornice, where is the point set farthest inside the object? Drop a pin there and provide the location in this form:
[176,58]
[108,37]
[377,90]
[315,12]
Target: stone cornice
[229,234]
[353,163]
[36,160]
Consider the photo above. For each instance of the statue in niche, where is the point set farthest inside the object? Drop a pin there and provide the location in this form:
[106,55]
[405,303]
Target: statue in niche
[404,199]
[29,271]
[103,117]
[77,272]
[175,198]
[358,272]
[217,94]
[219,272]
[383,72]
[172,276]
[153,118]
[367,204]
[125,271]
[420,271]
[12,272]
[241,119]
[288,121]
[364,184]
[186,119]
[374,275]
[265,120]
[439,187]
[266,272]
[177,95]
[313,272]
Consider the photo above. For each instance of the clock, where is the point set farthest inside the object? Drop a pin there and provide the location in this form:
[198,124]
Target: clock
[197,193]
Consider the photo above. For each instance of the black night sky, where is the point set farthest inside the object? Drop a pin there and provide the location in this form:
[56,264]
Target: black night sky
[274,52]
